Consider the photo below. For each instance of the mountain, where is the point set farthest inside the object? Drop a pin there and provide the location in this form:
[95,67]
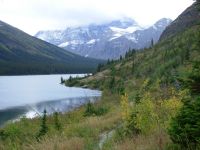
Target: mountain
[187,19]
[21,53]
[105,41]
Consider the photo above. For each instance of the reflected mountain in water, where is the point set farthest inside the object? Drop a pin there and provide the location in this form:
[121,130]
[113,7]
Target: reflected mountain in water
[35,110]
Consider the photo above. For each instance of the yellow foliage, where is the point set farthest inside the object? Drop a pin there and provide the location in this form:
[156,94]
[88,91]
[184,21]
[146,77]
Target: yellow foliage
[125,108]
[145,83]
[152,114]
[146,118]
[168,110]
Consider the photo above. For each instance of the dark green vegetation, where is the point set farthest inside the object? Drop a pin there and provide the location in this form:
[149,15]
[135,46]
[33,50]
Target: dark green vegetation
[152,96]
[185,128]
[43,129]
[91,110]
[21,53]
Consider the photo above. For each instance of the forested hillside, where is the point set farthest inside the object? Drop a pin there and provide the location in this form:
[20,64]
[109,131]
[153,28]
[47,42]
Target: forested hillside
[21,53]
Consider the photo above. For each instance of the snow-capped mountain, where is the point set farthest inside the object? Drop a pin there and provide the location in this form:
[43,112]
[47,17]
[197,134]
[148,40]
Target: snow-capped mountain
[105,41]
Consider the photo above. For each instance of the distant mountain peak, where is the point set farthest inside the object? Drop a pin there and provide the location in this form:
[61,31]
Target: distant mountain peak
[108,40]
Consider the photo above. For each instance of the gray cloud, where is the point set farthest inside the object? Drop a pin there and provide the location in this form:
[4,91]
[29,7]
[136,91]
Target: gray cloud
[34,15]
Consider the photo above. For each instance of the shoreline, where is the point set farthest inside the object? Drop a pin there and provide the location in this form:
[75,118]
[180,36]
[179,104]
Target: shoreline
[32,111]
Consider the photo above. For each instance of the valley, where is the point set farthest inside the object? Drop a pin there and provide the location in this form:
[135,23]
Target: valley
[147,81]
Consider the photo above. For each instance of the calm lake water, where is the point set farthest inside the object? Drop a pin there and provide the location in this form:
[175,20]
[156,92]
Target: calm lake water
[29,95]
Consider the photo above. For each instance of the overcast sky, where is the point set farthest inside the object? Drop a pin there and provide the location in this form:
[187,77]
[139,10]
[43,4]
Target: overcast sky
[34,15]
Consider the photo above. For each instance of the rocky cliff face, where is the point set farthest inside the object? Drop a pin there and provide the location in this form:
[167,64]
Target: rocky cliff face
[105,41]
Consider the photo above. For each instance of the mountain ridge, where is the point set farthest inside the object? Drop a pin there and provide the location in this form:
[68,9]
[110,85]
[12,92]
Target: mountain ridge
[188,18]
[105,41]
[21,53]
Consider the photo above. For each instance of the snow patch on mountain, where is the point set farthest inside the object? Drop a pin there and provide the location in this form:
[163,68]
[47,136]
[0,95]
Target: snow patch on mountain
[73,42]
[118,32]
[126,30]
[132,38]
[76,42]
[115,36]
[109,40]
[65,44]
[92,41]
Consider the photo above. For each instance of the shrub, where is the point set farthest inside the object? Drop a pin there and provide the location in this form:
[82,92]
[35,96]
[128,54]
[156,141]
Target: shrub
[128,117]
[185,128]
[146,118]
[125,109]
[92,111]
[101,111]
[89,109]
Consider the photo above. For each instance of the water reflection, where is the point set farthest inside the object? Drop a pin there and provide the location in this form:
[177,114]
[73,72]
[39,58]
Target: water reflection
[35,110]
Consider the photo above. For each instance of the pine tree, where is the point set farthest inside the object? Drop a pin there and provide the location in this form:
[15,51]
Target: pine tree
[112,83]
[57,122]
[43,127]
[152,42]
[192,82]
[62,80]
[185,128]
[120,57]
[89,109]
[70,78]
[99,67]
[108,62]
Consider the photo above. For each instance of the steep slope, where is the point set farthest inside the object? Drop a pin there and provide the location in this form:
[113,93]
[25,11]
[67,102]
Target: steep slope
[22,54]
[189,18]
[105,41]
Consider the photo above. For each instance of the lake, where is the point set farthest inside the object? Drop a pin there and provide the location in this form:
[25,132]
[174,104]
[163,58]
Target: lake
[29,95]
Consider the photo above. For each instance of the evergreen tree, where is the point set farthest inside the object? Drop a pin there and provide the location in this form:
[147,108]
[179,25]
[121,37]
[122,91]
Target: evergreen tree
[57,122]
[113,70]
[152,42]
[70,79]
[89,109]
[112,83]
[99,67]
[185,128]
[120,57]
[62,80]
[108,62]
[192,82]
[43,128]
